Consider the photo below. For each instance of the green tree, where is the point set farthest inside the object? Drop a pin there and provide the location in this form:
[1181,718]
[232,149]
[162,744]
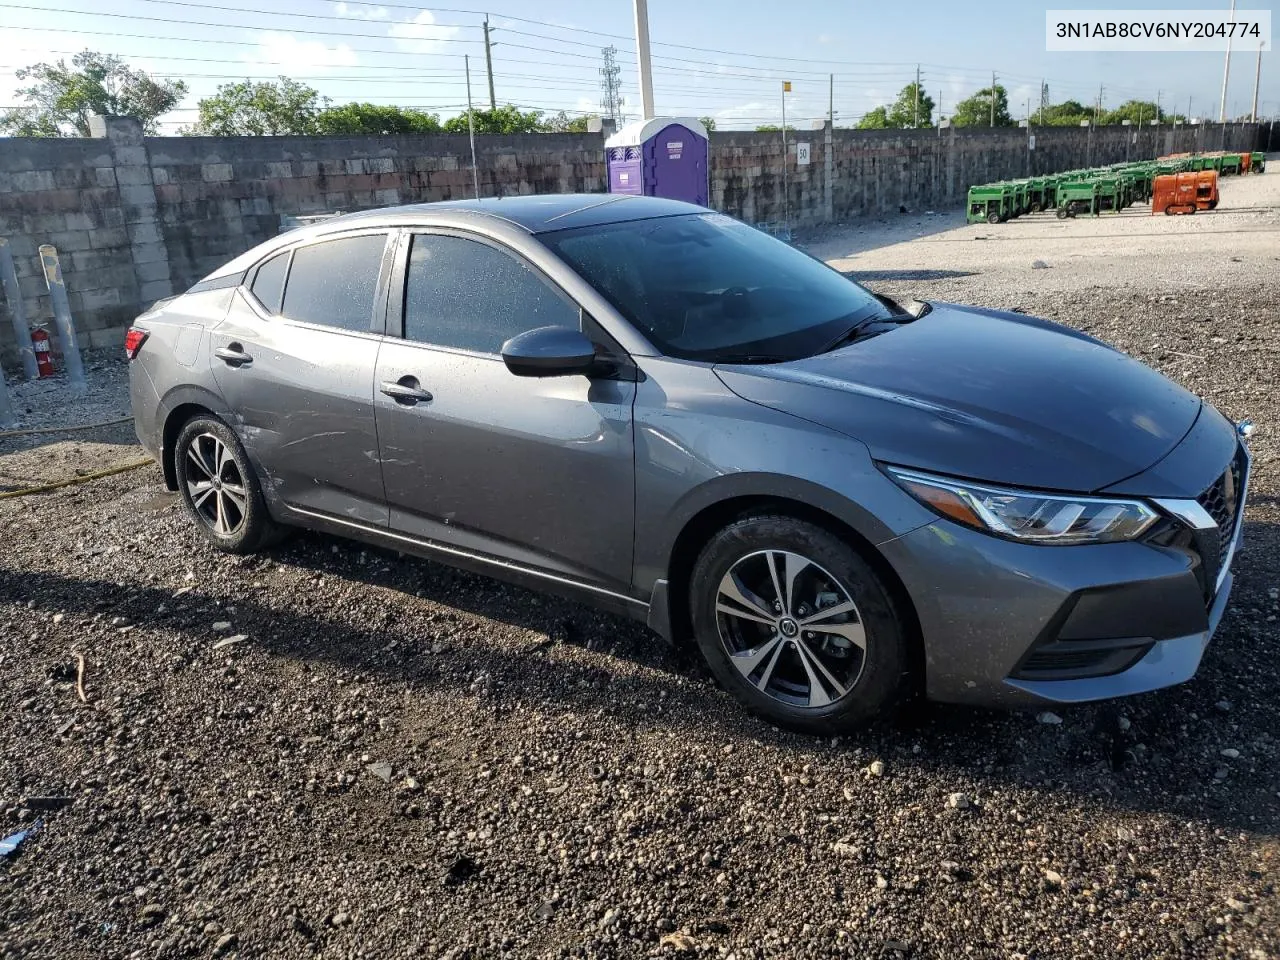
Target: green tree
[875,119]
[709,123]
[504,119]
[561,123]
[1135,111]
[355,119]
[976,110]
[1068,113]
[903,111]
[63,98]
[774,128]
[259,109]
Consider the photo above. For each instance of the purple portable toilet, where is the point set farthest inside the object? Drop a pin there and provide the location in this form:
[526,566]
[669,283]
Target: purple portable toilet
[664,157]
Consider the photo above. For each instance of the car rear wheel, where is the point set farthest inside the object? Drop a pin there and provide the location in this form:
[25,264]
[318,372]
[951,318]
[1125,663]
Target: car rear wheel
[220,489]
[797,625]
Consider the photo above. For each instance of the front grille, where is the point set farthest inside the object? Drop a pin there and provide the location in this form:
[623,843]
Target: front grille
[1223,502]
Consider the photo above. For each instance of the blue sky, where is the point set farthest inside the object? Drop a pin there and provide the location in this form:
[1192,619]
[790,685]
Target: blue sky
[723,58]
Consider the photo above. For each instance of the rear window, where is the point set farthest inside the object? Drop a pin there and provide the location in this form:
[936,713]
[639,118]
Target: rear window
[333,283]
[268,284]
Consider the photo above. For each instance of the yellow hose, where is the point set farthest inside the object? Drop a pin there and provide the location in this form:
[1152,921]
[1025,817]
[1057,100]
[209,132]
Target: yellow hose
[85,426]
[71,481]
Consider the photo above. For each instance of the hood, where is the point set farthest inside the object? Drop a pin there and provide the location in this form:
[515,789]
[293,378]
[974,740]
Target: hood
[985,395]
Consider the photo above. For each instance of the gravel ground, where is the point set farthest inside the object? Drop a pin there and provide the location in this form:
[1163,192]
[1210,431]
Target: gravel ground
[393,759]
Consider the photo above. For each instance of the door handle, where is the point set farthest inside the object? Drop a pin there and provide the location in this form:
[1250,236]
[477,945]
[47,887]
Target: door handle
[233,354]
[405,391]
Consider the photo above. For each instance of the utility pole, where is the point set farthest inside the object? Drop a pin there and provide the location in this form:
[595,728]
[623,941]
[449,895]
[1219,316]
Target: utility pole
[471,128]
[642,58]
[993,98]
[1226,72]
[917,120]
[831,100]
[1042,100]
[1257,78]
[1097,114]
[488,64]
[1188,108]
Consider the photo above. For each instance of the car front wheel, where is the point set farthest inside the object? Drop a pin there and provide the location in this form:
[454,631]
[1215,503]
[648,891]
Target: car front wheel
[220,489]
[795,623]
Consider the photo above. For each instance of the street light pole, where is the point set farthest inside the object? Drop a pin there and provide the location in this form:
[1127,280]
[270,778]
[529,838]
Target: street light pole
[642,57]
[1226,72]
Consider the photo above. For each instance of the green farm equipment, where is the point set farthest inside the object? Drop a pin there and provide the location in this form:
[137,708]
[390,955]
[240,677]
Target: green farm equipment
[1258,162]
[1077,197]
[990,203]
[1230,164]
[1040,193]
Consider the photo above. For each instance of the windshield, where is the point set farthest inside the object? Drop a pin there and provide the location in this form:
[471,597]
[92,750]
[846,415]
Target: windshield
[707,287]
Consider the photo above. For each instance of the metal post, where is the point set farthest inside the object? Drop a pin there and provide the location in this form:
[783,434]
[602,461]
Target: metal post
[471,127]
[62,316]
[488,63]
[1226,72]
[17,312]
[993,98]
[786,197]
[917,120]
[7,419]
[642,58]
[1257,79]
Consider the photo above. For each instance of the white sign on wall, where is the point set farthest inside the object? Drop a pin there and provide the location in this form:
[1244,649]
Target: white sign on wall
[1031,142]
[802,154]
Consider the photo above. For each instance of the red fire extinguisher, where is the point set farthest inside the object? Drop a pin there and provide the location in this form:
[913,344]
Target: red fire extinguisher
[40,344]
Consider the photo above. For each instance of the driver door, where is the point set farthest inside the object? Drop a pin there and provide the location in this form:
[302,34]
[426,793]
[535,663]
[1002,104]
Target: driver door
[538,472]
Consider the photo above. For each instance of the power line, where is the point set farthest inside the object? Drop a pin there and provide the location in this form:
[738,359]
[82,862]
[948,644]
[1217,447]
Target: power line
[205,23]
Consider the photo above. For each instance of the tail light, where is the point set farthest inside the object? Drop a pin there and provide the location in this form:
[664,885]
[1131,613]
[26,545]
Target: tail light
[133,341]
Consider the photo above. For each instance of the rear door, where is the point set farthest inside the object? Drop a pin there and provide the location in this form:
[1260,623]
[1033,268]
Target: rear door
[295,360]
[535,471]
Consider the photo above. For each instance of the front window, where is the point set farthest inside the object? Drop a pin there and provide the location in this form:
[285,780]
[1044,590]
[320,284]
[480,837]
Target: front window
[707,287]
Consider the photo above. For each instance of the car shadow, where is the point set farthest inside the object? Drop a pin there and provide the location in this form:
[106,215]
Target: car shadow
[1156,753]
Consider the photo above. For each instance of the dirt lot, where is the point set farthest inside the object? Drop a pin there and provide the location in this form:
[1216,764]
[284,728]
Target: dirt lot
[399,760]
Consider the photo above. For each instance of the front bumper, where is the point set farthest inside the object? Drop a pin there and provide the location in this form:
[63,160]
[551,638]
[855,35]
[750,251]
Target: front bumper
[1013,624]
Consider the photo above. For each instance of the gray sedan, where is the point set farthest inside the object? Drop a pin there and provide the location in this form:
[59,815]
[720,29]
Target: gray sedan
[842,500]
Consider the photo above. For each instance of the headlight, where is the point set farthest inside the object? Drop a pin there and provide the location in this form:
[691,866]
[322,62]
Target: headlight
[1025,515]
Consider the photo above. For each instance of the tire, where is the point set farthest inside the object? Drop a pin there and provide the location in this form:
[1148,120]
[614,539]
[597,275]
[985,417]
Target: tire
[1062,213]
[220,489]
[1036,208]
[851,667]
[1213,204]
[993,218]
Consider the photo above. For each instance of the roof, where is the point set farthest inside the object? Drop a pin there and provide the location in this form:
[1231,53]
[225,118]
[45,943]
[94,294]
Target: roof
[638,131]
[536,214]
[540,214]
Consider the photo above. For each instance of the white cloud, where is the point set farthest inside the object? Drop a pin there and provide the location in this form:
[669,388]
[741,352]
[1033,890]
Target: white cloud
[286,54]
[421,34]
[361,12]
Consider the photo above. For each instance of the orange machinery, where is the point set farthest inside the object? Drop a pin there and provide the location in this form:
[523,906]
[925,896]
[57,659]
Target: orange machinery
[1206,189]
[1174,193]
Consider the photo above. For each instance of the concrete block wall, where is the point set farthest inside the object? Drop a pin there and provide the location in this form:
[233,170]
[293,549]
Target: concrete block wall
[217,197]
[139,218]
[65,192]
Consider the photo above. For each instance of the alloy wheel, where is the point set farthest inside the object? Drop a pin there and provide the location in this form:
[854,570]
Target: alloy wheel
[215,485]
[791,628]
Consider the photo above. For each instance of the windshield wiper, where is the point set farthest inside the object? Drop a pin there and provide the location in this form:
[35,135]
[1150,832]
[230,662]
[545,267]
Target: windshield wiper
[851,334]
[751,358]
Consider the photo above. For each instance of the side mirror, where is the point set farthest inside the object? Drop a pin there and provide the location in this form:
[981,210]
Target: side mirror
[549,352]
